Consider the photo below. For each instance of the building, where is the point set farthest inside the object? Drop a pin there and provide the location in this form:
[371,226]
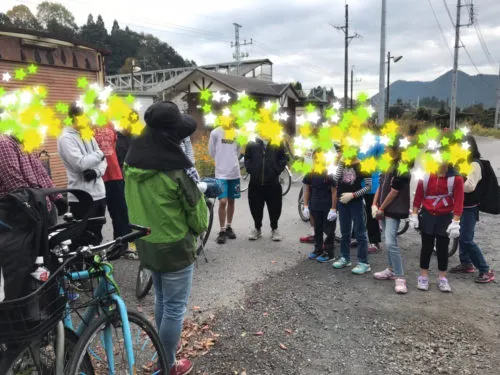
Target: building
[60,63]
[184,90]
[144,99]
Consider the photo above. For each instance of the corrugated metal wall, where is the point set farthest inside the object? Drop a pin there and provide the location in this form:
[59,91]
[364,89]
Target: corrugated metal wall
[61,86]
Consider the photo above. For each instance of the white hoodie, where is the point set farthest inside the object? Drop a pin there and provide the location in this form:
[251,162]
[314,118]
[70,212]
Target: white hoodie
[78,156]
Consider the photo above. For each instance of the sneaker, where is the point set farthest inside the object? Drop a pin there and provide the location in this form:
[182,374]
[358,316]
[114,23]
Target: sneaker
[307,239]
[444,286]
[386,274]
[255,234]
[342,263]
[221,238]
[485,277]
[361,269]
[463,268]
[423,283]
[354,243]
[400,287]
[276,236]
[315,254]
[230,233]
[182,367]
[325,258]
[130,255]
[373,248]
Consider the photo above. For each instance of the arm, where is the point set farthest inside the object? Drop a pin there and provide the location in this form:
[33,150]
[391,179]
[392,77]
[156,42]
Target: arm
[366,189]
[11,177]
[376,197]
[419,196]
[458,197]
[338,175]
[307,194]
[248,157]
[189,149]
[397,184]
[70,153]
[193,204]
[334,198]
[473,178]
[282,158]
[211,144]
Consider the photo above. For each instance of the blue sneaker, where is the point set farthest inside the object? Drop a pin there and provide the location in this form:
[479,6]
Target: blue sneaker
[315,254]
[325,258]
[361,268]
[342,263]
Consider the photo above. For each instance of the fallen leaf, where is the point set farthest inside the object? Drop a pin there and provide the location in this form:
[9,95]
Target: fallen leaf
[289,331]
[282,346]
[260,333]
[196,308]
[243,334]
[273,262]
[265,314]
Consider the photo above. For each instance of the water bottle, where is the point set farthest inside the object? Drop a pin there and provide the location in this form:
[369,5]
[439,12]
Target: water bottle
[40,274]
[38,277]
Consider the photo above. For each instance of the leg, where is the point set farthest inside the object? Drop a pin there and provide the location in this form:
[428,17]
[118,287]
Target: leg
[472,253]
[318,231]
[372,224]
[233,194]
[274,201]
[442,244]
[358,218]
[256,203]
[329,230]
[428,241]
[222,213]
[117,207]
[393,252]
[175,290]
[230,211]
[345,229]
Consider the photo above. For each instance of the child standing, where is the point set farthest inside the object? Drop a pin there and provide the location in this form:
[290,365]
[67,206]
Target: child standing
[320,194]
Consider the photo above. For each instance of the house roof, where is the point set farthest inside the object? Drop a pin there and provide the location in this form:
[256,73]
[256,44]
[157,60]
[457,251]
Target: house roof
[48,37]
[234,83]
[256,62]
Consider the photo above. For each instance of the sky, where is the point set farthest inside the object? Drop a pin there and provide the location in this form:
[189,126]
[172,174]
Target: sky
[300,39]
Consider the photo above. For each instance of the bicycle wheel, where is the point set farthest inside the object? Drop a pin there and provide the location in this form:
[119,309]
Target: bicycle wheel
[403,226]
[143,283]
[452,249]
[149,353]
[285,181]
[301,205]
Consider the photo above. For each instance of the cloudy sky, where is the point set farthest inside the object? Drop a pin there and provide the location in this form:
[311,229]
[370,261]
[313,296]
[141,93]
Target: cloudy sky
[299,38]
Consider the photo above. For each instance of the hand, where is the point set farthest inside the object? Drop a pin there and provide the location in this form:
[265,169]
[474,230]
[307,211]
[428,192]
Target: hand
[380,214]
[100,155]
[454,229]
[305,212]
[202,186]
[374,211]
[346,197]
[414,221]
[89,175]
[62,206]
[332,215]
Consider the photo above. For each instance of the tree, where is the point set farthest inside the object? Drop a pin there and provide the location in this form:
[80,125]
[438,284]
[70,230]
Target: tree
[95,32]
[115,27]
[442,109]
[297,85]
[21,16]
[5,20]
[54,13]
[423,114]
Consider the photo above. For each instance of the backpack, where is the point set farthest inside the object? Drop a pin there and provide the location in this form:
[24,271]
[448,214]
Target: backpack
[24,234]
[490,191]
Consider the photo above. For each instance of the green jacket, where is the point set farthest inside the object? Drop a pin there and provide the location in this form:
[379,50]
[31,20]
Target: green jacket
[175,210]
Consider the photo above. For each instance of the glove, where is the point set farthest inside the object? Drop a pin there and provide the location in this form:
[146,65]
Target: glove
[414,221]
[202,186]
[62,206]
[346,197]
[332,215]
[454,229]
[305,212]
[374,211]
[379,215]
[89,175]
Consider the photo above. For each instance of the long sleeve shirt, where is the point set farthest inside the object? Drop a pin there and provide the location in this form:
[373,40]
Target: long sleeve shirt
[351,180]
[187,148]
[473,178]
[438,186]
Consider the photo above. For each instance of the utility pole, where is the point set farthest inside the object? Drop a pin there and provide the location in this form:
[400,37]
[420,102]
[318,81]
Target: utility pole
[237,55]
[348,39]
[381,78]
[453,108]
[352,84]
[497,112]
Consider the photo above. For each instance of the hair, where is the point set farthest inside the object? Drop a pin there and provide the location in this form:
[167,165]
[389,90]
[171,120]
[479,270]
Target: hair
[413,130]
[74,111]
[474,150]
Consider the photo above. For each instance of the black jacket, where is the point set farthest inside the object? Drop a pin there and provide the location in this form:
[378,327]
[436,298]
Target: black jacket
[265,164]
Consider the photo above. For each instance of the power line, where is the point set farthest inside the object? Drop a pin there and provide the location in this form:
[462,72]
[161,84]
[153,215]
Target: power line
[449,13]
[440,28]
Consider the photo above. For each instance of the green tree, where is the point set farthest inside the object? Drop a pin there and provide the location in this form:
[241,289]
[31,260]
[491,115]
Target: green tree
[95,32]
[297,85]
[423,114]
[442,109]
[21,16]
[5,20]
[53,13]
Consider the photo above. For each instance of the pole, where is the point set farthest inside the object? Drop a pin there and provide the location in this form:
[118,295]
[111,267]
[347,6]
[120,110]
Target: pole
[346,83]
[352,83]
[453,108]
[497,112]
[388,84]
[132,75]
[381,78]
[237,46]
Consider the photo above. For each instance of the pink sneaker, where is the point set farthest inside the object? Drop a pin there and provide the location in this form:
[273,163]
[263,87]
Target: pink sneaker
[372,248]
[182,367]
[400,287]
[386,274]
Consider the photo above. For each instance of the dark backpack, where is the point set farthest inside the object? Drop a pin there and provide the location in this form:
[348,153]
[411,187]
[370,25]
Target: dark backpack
[24,234]
[490,191]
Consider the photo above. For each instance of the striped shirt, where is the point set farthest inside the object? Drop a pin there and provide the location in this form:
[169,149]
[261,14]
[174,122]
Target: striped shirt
[351,180]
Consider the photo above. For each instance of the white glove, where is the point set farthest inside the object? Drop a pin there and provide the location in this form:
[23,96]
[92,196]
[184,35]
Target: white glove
[202,186]
[346,197]
[414,221]
[332,215]
[305,212]
[374,211]
[454,229]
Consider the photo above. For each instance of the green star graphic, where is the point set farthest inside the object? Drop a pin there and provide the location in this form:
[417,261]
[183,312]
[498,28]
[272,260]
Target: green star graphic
[82,82]
[446,155]
[68,121]
[422,139]
[20,74]
[458,134]
[362,97]
[329,113]
[363,113]
[350,153]
[242,139]
[90,97]
[325,140]
[205,95]
[310,108]
[445,141]
[413,152]
[101,120]
[402,168]
[62,108]
[383,165]
[252,104]
[32,69]
[2,91]
[207,108]
[432,133]
[130,98]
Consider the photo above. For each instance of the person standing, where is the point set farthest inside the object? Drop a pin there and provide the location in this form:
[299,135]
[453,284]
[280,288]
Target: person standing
[264,163]
[162,196]
[85,166]
[225,152]
[470,253]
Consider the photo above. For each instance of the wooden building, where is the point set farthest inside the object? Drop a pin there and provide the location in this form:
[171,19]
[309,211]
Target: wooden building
[60,63]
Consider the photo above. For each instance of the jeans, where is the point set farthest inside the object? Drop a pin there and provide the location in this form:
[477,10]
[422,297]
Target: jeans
[353,214]
[470,253]
[117,207]
[172,291]
[394,259]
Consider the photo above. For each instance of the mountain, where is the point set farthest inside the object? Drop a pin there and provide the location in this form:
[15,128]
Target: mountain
[476,89]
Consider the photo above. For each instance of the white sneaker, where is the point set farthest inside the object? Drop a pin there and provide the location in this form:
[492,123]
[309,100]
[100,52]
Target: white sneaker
[276,236]
[255,234]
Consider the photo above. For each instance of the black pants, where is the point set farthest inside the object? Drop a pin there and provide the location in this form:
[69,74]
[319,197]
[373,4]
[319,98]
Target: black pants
[372,226]
[322,225]
[442,243]
[97,209]
[117,207]
[269,195]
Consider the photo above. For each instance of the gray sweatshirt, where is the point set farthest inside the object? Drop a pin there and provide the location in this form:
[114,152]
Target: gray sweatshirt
[78,156]
[225,153]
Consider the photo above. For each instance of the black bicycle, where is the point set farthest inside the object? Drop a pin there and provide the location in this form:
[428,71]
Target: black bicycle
[144,280]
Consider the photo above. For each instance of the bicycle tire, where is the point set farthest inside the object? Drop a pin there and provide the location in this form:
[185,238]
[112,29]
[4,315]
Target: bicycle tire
[405,228]
[287,180]
[453,247]
[114,319]
[142,288]
[210,206]
[301,205]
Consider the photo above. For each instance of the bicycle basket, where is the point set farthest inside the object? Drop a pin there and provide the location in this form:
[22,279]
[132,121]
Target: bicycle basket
[30,317]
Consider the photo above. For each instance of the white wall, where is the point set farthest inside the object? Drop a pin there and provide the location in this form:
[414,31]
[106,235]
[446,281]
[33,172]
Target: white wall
[145,101]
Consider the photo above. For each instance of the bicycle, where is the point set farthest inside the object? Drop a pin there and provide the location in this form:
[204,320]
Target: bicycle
[144,280]
[285,179]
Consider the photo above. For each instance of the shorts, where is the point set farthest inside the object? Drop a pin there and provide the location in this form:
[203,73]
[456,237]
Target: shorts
[230,189]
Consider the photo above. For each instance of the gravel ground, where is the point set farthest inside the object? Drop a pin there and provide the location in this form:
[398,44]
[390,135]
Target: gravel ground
[330,321]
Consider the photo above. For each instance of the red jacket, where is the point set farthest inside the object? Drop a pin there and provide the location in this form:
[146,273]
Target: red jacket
[106,139]
[438,186]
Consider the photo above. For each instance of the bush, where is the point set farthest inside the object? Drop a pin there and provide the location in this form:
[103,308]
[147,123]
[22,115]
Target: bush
[203,161]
